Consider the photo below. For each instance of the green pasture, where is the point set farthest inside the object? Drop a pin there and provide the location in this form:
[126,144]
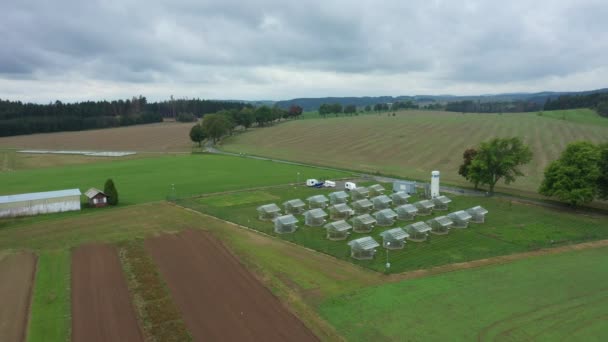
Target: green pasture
[548,298]
[152,179]
[510,228]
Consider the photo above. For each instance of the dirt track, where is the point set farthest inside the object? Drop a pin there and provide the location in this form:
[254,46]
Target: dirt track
[101,306]
[219,299]
[17,273]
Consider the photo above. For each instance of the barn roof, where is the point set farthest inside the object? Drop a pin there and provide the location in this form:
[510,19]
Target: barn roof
[395,233]
[365,219]
[92,192]
[443,221]
[442,200]
[478,210]
[407,208]
[269,208]
[382,199]
[387,213]
[341,208]
[317,199]
[338,195]
[419,227]
[316,213]
[287,219]
[33,196]
[295,203]
[363,203]
[460,215]
[338,226]
[364,243]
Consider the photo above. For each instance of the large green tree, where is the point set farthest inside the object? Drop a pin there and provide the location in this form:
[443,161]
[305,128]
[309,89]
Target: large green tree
[468,156]
[497,159]
[216,126]
[110,190]
[197,134]
[573,177]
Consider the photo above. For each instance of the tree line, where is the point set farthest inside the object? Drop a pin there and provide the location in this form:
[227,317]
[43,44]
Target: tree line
[350,109]
[470,106]
[597,101]
[18,118]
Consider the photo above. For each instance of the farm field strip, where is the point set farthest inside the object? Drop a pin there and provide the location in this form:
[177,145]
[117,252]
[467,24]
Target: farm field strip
[413,143]
[50,313]
[553,297]
[101,304]
[17,273]
[219,299]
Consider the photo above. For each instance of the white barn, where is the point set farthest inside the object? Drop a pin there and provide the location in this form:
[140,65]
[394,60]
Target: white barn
[40,203]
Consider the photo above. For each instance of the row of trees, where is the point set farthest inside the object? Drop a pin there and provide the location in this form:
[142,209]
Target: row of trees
[337,109]
[597,101]
[470,106]
[579,176]
[25,118]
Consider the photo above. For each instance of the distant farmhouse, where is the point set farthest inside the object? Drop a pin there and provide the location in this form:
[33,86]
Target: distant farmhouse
[40,203]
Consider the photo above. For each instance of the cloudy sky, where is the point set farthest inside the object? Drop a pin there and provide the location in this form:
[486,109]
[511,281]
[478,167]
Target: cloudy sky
[277,49]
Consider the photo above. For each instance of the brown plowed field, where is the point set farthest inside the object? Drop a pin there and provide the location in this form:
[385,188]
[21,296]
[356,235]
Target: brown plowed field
[219,299]
[101,306]
[17,273]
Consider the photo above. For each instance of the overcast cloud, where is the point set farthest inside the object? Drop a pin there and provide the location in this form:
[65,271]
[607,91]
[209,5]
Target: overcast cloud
[273,49]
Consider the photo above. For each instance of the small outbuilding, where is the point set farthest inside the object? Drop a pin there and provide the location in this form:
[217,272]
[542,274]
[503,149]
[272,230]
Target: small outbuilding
[385,217]
[96,198]
[440,225]
[315,217]
[425,207]
[362,206]
[406,212]
[340,211]
[338,197]
[407,186]
[418,231]
[381,202]
[441,202]
[363,248]
[460,218]
[376,190]
[359,193]
[400,198]
[268,212]
[363,223]
[285,224]
[394,238]
[317,201]
[294,206]
[478,214]
[40,203]
[338,230]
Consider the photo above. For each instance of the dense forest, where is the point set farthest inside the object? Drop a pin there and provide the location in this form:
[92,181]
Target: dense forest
[18,118]
[597,101]
[469,106]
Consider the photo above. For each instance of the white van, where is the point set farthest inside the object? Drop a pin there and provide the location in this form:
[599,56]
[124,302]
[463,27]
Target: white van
[329,184]
[350,186]
[311,182]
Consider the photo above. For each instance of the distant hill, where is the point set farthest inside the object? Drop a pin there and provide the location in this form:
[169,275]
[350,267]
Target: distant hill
[309,104]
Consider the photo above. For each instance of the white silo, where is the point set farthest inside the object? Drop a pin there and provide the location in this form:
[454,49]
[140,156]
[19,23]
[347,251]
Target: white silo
[434,184]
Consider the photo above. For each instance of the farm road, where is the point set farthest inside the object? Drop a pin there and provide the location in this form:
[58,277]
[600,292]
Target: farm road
[449,189]
[16,282]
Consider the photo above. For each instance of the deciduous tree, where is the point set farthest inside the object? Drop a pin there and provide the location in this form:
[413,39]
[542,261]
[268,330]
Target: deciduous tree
[197,134]
[110,190]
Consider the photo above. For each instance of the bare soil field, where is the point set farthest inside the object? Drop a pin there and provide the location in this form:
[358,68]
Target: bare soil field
[101,305]
[16,279]
[161,137]
[219,298]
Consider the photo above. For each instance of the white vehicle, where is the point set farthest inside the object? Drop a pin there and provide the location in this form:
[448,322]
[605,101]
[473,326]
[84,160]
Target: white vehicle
[350,186]
[311,182]
[329,184]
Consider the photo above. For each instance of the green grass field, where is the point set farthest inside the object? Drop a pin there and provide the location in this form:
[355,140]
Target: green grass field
[548,298]
[510,228]
[50,318]
[413,143]
[150,179]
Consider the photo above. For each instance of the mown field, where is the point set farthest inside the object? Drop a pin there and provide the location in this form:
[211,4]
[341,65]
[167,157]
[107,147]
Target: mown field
[510,228]
[549,298]
[151,179]
[413,143]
